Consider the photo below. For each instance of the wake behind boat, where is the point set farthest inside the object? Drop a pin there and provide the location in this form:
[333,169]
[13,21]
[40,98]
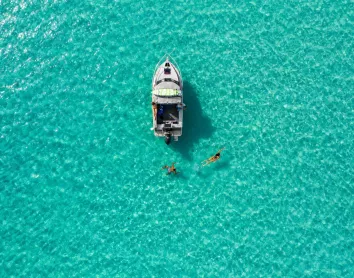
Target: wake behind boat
[167,101]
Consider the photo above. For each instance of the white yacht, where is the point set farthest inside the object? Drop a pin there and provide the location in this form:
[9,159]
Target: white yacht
[167,100]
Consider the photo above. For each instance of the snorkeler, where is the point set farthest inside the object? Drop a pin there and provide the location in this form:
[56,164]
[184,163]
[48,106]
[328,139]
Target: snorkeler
[171,169]
[213,158]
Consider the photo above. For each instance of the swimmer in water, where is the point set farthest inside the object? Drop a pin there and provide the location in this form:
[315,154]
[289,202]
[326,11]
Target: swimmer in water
[213,158]
[171,169]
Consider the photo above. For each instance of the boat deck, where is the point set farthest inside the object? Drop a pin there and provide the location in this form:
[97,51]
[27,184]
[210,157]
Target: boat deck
[174,132]
[170,114]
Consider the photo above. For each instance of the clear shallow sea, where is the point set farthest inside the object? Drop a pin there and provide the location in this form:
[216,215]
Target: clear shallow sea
[82,193]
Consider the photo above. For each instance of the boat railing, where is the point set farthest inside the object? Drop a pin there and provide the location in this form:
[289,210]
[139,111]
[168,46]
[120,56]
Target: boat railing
[174,63]
[157,65]
[159,62]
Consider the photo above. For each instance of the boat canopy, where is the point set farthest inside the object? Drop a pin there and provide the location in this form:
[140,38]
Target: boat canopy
[167,92]
[166,100]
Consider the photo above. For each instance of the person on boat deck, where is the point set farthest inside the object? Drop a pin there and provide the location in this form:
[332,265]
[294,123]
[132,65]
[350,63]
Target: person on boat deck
[213,158]
[181,106]
[160,112]
[154,108]
[171,169]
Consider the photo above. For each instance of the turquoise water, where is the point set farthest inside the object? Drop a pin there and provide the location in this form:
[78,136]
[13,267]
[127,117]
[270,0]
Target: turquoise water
[82,191]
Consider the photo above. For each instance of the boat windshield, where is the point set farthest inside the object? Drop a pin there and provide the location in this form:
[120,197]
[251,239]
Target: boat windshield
[167,92]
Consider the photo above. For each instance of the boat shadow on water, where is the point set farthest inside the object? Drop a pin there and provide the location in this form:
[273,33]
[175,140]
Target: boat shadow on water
[195,124]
